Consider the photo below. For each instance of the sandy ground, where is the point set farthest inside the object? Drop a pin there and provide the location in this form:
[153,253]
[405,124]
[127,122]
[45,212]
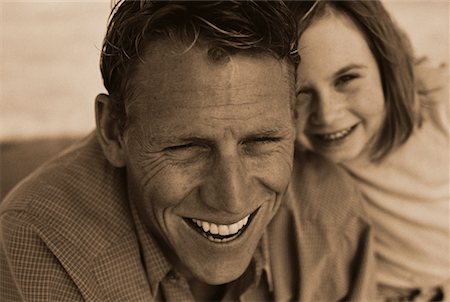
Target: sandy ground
[18,159]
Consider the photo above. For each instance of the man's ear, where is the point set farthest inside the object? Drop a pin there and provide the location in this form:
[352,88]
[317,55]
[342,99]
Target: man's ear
[108,132]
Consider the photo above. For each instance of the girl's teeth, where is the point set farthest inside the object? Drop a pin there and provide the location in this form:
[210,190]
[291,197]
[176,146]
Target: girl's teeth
[221,229]
[337,135]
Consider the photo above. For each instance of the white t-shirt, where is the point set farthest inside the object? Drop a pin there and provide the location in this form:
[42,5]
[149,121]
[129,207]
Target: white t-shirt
[408,199]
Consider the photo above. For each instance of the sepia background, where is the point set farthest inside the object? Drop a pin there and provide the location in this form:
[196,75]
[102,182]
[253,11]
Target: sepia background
[49,71]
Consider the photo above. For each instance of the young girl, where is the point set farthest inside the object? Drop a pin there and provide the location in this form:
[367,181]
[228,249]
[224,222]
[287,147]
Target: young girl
[360,106]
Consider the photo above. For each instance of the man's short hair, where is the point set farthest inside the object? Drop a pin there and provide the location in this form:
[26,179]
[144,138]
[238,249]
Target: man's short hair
[225,27]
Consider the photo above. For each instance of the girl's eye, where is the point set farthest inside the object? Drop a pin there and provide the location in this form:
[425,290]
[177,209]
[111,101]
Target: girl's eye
[346,78]
[304,97]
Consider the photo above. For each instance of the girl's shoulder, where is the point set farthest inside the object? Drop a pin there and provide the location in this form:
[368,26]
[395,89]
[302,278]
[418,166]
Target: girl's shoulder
[432,89]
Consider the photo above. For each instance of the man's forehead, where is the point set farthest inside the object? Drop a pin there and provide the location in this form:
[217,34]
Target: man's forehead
[168,56]
[167,72]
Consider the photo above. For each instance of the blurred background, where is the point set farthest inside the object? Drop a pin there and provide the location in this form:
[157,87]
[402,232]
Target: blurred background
[49,71]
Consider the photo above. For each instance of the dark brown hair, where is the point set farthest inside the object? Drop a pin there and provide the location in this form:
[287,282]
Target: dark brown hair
[226,27]
[393,52]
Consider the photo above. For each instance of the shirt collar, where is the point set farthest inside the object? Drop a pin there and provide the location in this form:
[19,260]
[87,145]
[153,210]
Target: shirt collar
[261,264]
[157,266]
[265,262]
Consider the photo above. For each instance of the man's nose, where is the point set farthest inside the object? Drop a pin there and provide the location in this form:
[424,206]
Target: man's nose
[326,108]
[228,187]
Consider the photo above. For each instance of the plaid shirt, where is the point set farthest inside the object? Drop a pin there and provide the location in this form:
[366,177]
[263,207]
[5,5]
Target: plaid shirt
[68,232]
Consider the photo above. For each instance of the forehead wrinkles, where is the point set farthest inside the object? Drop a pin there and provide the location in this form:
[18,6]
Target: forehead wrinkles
[220,86]
[168,79]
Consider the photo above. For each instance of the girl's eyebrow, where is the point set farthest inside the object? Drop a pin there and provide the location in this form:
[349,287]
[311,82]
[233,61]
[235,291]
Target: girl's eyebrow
[348,68]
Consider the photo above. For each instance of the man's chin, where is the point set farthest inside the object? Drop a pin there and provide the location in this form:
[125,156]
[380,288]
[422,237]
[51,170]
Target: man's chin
[221,270]
[218,262]
[219,276]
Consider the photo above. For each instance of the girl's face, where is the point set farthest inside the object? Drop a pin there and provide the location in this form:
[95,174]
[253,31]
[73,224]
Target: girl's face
[339,91]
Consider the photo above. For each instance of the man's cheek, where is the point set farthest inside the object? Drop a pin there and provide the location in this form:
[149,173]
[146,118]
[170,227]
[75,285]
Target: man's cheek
[169,185]
[275,173]
[285,163]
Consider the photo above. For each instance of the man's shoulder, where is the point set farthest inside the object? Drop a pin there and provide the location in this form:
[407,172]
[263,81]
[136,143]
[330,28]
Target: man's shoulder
[77,195]
[57,180]
[321,191]
[321,230]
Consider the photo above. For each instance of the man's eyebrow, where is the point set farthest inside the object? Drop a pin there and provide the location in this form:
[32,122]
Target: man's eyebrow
[181,139]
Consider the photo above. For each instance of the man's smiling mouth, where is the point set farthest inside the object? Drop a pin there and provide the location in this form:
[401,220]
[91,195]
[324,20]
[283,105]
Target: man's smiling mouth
[220,233]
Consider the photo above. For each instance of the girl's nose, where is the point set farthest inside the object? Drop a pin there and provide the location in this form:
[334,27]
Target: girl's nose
[326,108]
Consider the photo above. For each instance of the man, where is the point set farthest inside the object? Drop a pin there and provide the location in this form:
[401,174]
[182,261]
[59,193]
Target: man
[183,192]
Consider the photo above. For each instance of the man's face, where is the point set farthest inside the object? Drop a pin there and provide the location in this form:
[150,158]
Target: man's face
[209,152]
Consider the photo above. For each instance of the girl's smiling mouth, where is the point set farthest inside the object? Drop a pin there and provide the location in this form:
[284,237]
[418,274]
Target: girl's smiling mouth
[334,137]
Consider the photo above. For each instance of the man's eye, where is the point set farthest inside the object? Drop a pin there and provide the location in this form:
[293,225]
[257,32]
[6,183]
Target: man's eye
[259,145]
[186,147]
[265,140]
[346,78]
[179,147]
[186,151]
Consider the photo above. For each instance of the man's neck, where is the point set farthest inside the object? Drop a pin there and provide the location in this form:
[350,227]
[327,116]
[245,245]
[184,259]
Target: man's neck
[206,292]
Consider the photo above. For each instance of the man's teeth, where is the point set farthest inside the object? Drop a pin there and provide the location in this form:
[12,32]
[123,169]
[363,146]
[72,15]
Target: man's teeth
[336,135]
[222,229]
